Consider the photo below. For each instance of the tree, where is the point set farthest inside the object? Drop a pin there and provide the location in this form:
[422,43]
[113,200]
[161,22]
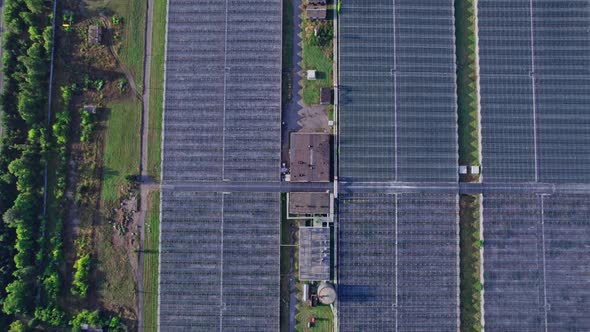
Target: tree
[16,301]
[35,6]
[92,318]
[81,277]
[18,326]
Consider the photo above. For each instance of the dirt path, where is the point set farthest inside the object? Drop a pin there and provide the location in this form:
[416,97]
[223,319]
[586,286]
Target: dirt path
[146,183]
[120,65]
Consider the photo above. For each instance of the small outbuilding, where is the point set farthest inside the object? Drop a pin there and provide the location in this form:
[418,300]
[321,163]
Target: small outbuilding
[474,170]
[326,293]
[317,12]
[311,75]
[462,169]
[325,96]
[94,35]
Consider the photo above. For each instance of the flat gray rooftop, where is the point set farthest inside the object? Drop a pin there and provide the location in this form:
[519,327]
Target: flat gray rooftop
[535,78]
[537,262]
[222,112]
[397,102]
[219,249]
[219,261]
[398,262]
[314,253]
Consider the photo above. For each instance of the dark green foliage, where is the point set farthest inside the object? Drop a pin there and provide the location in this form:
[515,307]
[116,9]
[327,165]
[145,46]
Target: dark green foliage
[29,281]
[18,326]
[323,37]
[92,318]
[61,128]
[81,281]
[16,301]
[470,262]
[86,126]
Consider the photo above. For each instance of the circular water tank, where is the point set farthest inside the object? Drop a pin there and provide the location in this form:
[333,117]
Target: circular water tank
[326,293]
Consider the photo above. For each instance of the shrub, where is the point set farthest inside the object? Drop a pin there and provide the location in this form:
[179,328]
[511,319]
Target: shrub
[81,281]
[92,318]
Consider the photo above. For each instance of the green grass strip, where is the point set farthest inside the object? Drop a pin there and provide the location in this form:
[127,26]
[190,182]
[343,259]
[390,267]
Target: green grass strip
[150,265]
[467,96]
[470,263]
[156,90]
[121,155]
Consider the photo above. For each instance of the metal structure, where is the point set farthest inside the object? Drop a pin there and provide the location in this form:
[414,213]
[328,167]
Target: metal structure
[534,66]
[534,84]
[314,253]
[397,254]
[397,91]
[326,293]
[219,261]
[398,262]
[219,250]
[223,91]
[537,262]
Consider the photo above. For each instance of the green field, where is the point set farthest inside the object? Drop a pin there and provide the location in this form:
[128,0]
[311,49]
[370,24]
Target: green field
[467,82]
[150,265]
[317,53]
[314,57]
[122,145]
[324,318]
[156,90]
[470,260]
[133,14]
[115,277]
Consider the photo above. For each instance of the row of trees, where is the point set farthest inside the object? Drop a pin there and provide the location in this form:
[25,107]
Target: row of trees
[32,281]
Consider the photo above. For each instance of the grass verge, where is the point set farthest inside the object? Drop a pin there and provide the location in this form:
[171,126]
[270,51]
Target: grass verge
[156,90]
[150,265]
[467,96]
[322,313]
[287,254]
[470,263]
[133,14]
[116,280]
[122,144]
[317,55]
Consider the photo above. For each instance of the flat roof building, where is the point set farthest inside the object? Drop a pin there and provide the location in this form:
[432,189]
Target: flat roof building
[310,157]
[325,96]
[317,12]
[314,253]
[309,203]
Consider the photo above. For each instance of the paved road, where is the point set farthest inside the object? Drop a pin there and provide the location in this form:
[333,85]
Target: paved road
[225,186]
[146,183]
[384,187]
[464,188]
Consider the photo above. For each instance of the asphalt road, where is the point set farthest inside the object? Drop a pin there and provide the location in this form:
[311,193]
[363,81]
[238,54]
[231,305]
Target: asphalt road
[385,187]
